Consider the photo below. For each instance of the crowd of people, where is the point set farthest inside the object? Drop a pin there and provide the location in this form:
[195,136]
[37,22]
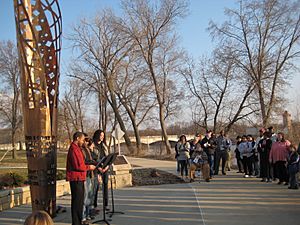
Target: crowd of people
[84,176]
[270,156]
[204,154]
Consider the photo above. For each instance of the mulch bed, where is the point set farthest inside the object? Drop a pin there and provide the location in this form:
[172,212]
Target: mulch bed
[149,176]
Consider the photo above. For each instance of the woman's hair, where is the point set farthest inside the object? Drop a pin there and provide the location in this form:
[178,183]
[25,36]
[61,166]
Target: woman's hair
[77,134]
[267,134]
[38,218]
[96,136]
[89,141]
[181,137]
[282,134]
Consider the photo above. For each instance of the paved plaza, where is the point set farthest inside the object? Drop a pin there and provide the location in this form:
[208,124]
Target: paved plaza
[226,200]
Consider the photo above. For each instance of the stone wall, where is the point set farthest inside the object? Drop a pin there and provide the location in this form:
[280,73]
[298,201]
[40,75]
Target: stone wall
[20,196]
[122,177]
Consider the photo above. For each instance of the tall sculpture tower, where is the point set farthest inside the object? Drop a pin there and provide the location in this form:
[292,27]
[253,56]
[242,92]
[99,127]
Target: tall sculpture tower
[38,24]
[287,121]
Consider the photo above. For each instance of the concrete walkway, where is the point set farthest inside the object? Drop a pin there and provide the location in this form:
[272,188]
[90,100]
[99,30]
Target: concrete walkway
[226,200]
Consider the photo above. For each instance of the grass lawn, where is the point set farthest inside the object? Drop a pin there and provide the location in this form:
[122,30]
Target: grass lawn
[21,161]
[7,165]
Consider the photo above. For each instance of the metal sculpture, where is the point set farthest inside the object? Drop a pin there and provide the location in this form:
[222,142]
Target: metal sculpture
[38,24]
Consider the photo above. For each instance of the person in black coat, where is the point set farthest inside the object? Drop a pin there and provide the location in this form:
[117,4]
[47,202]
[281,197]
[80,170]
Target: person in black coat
[102,150]
[208,145]
[293,167]
[238,154]
[264,148]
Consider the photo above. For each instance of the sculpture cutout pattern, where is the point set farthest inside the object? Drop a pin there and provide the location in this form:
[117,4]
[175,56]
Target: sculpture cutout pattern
[39,29]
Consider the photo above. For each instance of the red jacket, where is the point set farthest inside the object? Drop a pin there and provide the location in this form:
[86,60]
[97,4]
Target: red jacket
[76,168]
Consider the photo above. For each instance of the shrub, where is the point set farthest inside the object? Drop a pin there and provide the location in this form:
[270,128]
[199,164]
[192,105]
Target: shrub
[61,175]
[11,180]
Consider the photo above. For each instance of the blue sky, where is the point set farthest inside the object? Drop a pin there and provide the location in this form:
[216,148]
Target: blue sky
[191,29]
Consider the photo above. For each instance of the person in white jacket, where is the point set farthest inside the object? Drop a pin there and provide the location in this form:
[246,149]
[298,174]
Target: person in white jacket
[245,149]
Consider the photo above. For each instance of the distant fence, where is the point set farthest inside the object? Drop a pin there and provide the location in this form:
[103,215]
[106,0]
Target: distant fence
[152,139]
[60,145]
[64,145]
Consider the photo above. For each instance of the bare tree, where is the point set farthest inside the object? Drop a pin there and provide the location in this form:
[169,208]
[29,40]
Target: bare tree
[151,27]
[173,98]
[222,97]
[263,35]
[102,47]
[9,100]
[74,106]
[135,93]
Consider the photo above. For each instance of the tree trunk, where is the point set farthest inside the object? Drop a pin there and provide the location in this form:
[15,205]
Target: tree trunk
[161,107]
[136,134]
[135,127]
[137,138]
[67,124]
[100,110]
[120,121]
[265,119]
[14,151]
[164,129]
[104,114]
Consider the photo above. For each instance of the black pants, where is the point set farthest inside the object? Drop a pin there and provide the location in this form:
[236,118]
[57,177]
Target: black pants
[239,163]
[247,164]
[178,166]
[281,171]
[77,198]
[183,167]
[220,155]
[265,166]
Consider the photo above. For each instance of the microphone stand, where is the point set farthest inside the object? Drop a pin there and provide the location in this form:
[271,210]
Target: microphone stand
[103,204]
[112,212]
[106,161]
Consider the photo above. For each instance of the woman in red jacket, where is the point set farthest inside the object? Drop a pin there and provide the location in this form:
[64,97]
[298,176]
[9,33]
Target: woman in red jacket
[76,175]
[278,156]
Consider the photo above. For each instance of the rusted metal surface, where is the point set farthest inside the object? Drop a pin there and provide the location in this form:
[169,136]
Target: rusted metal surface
[38,25]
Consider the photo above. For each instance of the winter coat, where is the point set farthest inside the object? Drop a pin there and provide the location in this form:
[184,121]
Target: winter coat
[223,144]
[183,151]
[208,145]
[245,149]
[76,168]
[293,162]
[279,151]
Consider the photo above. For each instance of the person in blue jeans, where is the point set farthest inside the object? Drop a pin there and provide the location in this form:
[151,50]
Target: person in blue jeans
[183,155]
[88,184]
[223,146]
[208,145]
